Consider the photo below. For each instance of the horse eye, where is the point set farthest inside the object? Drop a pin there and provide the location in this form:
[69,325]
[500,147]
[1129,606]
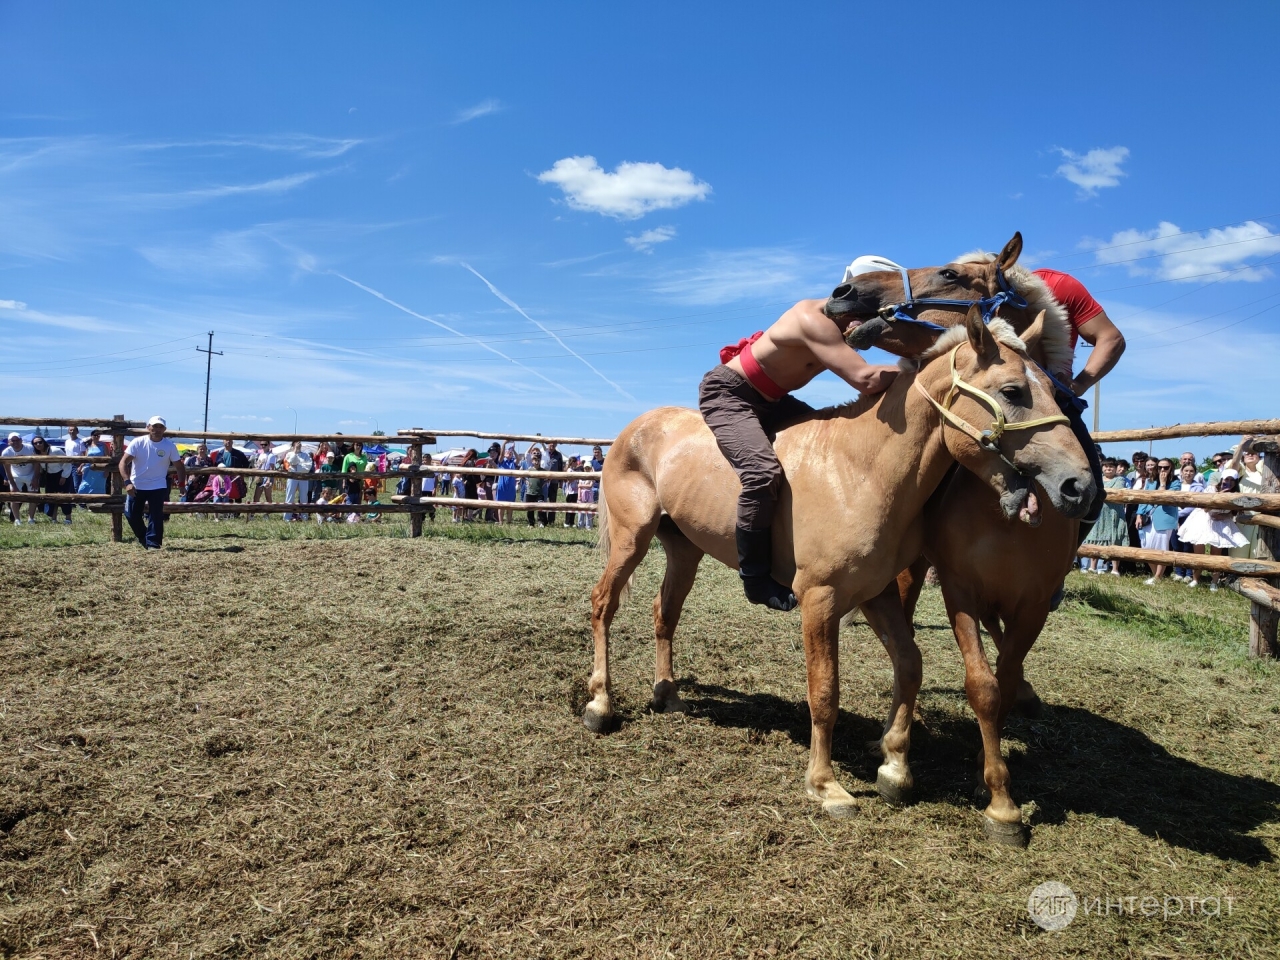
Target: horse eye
[1011,393]
[948,274]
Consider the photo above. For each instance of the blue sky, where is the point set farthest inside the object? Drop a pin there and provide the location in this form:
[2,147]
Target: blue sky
[530,218]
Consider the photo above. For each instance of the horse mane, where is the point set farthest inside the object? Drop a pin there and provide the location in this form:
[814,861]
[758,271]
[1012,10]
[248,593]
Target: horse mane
[1056,342]
[1000,329]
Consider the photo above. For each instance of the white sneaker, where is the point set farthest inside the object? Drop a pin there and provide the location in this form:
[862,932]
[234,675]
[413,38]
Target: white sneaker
[1213,588]
[1150,581]
[1193,583]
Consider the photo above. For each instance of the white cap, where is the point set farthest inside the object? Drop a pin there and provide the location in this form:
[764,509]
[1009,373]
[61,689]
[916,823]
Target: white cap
[154,421]
[1230,473]
[870,264]
[15,434]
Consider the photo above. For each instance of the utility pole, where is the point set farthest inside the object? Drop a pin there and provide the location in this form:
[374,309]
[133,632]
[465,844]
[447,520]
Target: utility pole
[208,375]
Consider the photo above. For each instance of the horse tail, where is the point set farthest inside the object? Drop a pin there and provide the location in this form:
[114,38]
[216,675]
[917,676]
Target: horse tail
[602,522]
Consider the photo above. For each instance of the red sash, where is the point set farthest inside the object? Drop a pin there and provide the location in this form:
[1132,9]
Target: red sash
[755,373]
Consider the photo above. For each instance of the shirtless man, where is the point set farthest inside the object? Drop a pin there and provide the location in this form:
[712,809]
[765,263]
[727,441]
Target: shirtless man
[748,398]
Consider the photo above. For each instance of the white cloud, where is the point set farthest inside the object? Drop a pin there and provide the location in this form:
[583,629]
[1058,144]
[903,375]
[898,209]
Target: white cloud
[631,191]
[246,416]
[481,109]
[1098,168]
[1169,253]
[12,305]
[647,240]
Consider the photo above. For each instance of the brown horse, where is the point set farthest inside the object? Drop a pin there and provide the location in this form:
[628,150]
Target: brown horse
[992,571]
[848,520]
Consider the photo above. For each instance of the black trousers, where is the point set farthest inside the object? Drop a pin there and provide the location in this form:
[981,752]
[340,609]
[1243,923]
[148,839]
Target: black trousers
[744,423]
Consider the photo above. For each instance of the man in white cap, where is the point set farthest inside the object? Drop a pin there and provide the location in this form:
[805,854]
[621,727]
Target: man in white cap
[23,477]
[748,398]
[145,469]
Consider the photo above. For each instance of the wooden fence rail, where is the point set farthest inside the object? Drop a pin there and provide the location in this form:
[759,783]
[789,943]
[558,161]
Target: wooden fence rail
[1220,428]
[1262,502]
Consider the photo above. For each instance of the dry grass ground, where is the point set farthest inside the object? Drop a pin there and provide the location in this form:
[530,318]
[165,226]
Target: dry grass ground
[370,748]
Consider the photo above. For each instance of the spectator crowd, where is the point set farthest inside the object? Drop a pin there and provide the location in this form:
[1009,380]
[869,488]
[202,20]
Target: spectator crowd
[321,473]
[1187,530]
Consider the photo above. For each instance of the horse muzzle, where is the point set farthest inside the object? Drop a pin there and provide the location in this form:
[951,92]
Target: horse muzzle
[847,301]
[1071,494]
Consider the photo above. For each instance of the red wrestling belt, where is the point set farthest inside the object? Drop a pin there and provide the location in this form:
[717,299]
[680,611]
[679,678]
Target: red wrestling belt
[755,373]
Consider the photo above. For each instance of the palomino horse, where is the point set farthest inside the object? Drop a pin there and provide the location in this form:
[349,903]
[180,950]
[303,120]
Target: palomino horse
[848,520]
[992,570]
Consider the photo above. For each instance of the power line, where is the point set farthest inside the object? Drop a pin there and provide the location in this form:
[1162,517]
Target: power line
[1161,346]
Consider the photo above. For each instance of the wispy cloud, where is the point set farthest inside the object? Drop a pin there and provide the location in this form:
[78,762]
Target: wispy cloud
[246,416]
[19,312]
[238,251]
[729,276]
[481,109]
[1094,170]
[301,144]
[645,242]
[1169,253]
[520,310]
[276,185]
[631,191]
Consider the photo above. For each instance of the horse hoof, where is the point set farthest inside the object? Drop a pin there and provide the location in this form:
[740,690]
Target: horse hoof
[839,810]
[596,721]
[1006,834]
[897,794]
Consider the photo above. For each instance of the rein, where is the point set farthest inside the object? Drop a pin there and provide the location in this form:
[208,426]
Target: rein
[988,439]
[896,312]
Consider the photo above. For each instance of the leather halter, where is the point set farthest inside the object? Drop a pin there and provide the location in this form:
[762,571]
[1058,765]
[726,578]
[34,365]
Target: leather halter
[988,439]
[896,312]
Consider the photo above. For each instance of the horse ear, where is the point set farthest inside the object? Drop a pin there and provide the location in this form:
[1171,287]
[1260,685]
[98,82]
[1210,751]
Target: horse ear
[1012,250]
[1033,334]
[980,338]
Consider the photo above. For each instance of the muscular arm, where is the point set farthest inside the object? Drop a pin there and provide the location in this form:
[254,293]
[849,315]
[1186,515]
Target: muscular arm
[126,465]
[827,344]
[1108,345]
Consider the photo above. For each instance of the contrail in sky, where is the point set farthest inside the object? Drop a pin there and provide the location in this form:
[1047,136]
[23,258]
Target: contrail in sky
[520,310]
[457,333]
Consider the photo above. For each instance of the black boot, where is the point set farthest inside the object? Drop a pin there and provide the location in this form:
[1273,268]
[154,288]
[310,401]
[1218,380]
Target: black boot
[755,558]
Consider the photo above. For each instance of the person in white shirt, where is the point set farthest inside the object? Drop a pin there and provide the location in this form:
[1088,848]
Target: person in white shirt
[266,460]
[23,477]
[296,461]
[145,468]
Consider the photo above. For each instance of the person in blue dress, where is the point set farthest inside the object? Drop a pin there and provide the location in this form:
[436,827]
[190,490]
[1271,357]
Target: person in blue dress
[505,488]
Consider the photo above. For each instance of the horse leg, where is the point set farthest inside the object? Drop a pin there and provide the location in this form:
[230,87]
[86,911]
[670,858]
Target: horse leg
[910,583]
[821,625]
[1020,633]
[885,616]
[682,568]
[1002,820]
[628,541]
[1025,700]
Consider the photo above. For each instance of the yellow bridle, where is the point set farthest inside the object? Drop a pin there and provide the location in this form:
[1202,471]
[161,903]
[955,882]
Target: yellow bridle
[988,439]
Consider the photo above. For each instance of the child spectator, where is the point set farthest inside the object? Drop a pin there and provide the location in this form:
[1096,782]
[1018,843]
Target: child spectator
[533,491]
[1110,529]
[586,494]
[1213,529]
[505,489]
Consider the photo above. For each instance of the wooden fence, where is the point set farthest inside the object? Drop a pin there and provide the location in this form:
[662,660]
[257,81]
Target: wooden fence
[414,503]
[1260,576]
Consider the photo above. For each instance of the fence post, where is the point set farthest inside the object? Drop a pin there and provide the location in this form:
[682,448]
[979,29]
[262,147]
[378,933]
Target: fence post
[415,489]
[117,482]
[1262,619]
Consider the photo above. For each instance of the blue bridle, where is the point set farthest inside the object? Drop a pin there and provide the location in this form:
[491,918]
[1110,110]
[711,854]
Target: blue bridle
[990,306]
[896,312]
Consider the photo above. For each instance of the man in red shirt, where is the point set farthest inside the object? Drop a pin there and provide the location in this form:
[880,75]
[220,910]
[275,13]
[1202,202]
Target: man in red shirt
[1090,321]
